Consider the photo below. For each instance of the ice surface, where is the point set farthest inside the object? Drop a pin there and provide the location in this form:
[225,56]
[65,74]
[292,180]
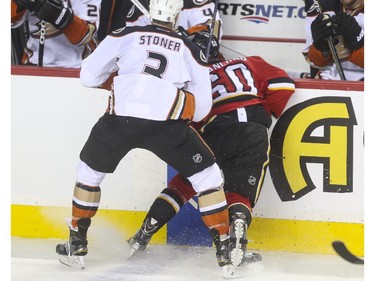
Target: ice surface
[35,259]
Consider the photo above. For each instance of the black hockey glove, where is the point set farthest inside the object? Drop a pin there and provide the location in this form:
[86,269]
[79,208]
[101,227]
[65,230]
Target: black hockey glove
[321,30]
[182,31]
[56,12]
[25,4]
[347,26]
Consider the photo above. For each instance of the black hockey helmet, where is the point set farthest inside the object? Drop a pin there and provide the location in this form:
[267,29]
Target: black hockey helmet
[201,38]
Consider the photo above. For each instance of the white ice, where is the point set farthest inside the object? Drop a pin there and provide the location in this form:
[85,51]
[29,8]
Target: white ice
[35,259]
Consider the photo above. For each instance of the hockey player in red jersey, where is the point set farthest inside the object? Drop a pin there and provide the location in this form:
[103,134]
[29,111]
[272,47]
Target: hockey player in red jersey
[343,22]
[246,91]
[162,84]
[62,32]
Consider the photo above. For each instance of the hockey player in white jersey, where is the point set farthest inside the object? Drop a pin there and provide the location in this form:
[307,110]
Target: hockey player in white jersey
[62,32]
[341,21]
[195,13]
[162,84]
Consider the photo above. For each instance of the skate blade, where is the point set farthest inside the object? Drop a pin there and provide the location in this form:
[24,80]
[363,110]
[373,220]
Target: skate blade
[73,261]
[131,253]
[229,271]
[251,258]
[133,250]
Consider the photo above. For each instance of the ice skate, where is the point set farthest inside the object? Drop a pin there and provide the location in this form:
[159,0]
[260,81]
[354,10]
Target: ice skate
[72,252]
[238,237]
[222,252]
[223,249]
[251,258]
[139,241]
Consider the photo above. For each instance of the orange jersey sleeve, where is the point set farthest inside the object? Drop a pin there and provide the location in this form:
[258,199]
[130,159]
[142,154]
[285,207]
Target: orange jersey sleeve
[79,32]
[15,16]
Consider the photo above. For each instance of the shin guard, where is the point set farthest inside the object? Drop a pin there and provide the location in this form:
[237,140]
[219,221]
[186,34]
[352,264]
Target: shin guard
[213,209]
[85,202]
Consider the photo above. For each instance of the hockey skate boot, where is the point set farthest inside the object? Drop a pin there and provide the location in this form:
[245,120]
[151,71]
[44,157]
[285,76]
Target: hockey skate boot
[225,253]
[222,252]
[224,249]
[251,258]
[238,237]
[141,239]
[72,252]
[138,242]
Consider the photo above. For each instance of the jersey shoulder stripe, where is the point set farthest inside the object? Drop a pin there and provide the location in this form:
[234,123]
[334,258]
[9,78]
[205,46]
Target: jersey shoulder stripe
[195,51]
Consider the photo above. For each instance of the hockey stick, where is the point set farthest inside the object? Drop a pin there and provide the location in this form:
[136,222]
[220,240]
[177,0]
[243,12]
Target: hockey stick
[233,50]
[343,252]
[141,8]
[211,29]
[330,45]
[42,40]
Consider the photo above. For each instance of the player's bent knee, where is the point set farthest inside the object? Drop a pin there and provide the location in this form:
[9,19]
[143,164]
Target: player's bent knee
[88,176]
[207,179]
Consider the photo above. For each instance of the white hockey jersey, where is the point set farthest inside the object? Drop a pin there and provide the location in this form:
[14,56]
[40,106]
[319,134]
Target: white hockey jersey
[58,50]
[156,67]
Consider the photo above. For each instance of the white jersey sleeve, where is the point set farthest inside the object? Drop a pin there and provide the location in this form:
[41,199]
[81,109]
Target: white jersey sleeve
[199,86]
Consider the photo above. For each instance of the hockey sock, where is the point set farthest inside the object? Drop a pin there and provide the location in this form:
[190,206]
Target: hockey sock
[182,188]
[164,208]
[239,204]
[213,209]
[85,202]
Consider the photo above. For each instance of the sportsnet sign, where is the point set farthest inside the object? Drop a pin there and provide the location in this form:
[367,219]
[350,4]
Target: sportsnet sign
[273,18]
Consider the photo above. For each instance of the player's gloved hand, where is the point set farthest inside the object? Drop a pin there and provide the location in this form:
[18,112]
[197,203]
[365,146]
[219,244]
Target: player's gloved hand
[321,30]
[56,12]
[25,4]
[347,26]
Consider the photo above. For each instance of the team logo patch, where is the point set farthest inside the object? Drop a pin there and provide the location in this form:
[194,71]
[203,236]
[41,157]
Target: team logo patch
[118,30]
[252,180]
[199,2]
[314,6]
[202,56]
[131,12]
[197,158]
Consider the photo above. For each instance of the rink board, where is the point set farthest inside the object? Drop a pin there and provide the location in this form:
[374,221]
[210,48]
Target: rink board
[317,198]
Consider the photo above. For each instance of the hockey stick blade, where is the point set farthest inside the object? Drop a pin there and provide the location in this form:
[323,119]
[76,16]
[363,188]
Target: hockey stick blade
[343,252]
[229,271]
